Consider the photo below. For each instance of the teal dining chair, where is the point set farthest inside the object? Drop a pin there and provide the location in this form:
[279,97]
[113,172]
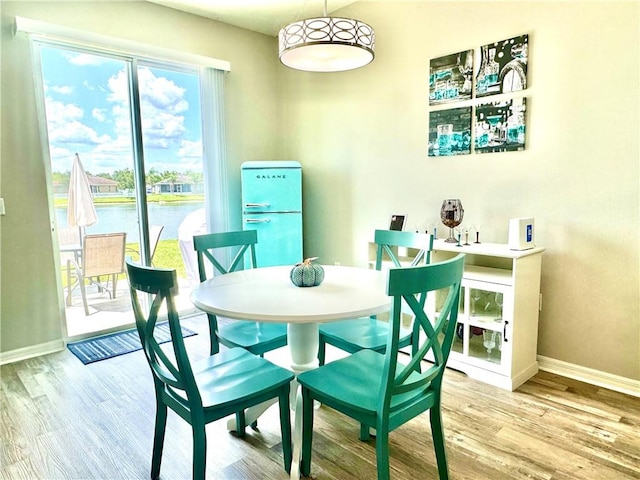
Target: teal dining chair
[369,333]
[386,390]
[256,337]
[204,391]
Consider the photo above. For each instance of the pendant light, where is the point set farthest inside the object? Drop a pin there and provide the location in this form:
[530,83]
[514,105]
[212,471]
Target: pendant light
[326,44]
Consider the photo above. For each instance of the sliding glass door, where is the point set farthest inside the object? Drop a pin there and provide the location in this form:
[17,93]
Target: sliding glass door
[135,127]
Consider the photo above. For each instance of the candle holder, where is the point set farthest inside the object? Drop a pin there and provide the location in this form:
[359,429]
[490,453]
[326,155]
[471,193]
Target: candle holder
[451,214]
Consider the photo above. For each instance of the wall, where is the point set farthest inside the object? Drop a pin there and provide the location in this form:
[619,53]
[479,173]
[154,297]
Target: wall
[362,138]
[30,311]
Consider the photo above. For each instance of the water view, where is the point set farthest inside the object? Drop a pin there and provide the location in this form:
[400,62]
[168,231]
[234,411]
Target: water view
[123,218]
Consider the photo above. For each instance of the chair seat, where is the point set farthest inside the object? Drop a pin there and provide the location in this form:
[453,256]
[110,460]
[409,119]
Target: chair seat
[254,336]
[354,383]
[235,375]
[360,333]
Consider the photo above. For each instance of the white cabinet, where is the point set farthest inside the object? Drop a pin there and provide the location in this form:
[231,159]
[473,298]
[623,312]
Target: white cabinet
[498,311]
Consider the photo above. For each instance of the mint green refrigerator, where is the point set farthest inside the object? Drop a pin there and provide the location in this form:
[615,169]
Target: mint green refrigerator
[272,205]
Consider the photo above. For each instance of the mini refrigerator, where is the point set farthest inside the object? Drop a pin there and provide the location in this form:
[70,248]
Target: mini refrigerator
[272,205]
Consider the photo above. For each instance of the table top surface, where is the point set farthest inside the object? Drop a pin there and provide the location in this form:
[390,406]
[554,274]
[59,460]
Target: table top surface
[267,295]
[70,247]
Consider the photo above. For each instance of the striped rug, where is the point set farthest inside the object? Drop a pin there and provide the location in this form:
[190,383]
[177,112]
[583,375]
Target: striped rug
[108,346]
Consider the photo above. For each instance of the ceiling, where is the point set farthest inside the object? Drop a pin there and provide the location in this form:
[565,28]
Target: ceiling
[264,16]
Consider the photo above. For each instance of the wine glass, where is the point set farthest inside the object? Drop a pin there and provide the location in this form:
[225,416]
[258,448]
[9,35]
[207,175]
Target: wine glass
[477,227]
[466,231]
[475,296]
[433,228]
[451,214]
[458,232]
[489,341]
[499,302]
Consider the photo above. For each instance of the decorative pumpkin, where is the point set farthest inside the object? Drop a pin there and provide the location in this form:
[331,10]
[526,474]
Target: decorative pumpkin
[307,274]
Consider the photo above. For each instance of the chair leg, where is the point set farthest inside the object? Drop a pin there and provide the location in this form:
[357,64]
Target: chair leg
[199,450]
[285,427]
[241,423]
[114,284]
[69,286]
[83,292]
[437,434]
[364,432]
[382,452]
[322,351]
[158,438]
[307,432]
[213,335]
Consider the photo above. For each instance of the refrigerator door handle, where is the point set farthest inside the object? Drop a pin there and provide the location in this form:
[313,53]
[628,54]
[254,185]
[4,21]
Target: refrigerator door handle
[257,205]
[257,220]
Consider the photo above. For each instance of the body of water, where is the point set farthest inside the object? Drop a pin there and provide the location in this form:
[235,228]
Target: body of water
[124,218]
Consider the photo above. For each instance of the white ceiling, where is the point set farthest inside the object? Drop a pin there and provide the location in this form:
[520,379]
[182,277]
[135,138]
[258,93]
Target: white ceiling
[264,16]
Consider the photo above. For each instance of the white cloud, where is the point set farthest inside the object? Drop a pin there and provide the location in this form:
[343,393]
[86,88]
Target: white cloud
[190,150]
[98,114]
[64,90]
[65,126]
[82,59]
[161,103]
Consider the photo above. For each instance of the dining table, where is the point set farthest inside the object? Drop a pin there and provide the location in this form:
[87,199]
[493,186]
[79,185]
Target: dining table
[267,295]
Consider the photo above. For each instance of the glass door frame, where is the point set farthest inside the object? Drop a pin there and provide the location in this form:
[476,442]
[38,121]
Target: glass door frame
[132,65]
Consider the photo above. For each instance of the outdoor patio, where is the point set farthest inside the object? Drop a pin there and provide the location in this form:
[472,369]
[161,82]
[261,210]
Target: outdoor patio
[106,314]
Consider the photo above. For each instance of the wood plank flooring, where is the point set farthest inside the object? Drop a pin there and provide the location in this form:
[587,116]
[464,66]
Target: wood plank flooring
[60,419]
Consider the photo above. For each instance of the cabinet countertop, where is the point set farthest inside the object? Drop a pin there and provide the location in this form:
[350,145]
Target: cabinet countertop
[489,249]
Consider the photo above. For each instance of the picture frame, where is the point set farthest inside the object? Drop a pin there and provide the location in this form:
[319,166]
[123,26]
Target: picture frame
[450,77]
[397,222]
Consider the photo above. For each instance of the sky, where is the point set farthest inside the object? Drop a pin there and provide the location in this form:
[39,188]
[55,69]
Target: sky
[87,107]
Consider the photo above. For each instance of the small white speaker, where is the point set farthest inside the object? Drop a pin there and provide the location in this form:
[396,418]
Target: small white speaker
[521,233]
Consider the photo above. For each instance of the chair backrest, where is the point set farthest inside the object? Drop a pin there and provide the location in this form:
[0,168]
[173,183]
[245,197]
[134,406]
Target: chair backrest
[103,254]
[204,244]
[154,237]
[404,385]
[388,241]
[171,370]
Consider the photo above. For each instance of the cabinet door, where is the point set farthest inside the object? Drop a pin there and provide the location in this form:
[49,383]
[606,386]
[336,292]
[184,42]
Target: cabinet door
[483,332]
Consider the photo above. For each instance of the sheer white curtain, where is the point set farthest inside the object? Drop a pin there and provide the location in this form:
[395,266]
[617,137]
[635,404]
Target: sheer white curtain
[214,150]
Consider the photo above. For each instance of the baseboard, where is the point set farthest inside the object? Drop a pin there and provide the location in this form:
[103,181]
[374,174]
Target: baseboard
[588,375]
[31,351]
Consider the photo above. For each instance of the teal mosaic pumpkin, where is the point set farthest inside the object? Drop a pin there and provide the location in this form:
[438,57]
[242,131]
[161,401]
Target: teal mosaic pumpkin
[307,274]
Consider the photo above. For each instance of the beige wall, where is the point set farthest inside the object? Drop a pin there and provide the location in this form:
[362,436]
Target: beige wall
[361,137]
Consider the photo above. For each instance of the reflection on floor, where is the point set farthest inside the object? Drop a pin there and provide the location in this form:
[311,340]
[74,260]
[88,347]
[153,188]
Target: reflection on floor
[107,315]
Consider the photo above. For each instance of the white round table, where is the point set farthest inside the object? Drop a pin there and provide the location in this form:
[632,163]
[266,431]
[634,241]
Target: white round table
[267,295]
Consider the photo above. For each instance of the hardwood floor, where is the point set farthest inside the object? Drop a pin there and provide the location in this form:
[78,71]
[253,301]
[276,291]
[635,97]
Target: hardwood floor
[60,419]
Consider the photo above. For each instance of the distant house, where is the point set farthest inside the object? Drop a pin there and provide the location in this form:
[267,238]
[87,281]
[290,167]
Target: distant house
[182,184]
[102,185]
[99,185]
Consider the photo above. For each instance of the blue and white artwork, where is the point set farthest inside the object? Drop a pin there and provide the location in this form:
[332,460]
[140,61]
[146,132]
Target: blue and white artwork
[500,126]
[450,78]
[450,132]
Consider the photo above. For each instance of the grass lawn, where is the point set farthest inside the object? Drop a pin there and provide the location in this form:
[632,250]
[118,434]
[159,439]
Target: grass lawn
[151,198]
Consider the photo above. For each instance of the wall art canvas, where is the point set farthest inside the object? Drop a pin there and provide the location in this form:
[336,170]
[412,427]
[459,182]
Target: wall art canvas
[503,66]
[450,132]
[450,78]
[500,126]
